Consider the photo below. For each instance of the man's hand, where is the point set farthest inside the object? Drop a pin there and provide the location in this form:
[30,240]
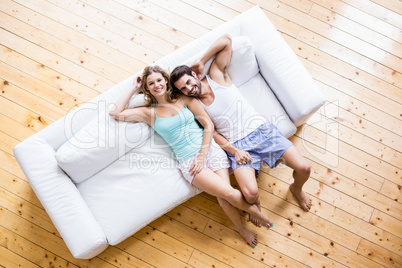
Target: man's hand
[242,157]
[198,68]
[198,164]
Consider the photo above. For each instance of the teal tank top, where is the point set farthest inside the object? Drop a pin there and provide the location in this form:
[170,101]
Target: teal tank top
[181,132]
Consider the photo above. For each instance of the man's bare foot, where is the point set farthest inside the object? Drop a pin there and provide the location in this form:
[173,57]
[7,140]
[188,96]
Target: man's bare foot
[254,219]
[261,218]
[250,237]
[303,199]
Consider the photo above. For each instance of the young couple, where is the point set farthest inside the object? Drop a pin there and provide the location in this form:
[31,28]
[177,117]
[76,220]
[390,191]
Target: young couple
[174,105]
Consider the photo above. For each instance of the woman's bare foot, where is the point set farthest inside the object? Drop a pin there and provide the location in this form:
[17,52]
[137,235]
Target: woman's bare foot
[303,199]
[250,237]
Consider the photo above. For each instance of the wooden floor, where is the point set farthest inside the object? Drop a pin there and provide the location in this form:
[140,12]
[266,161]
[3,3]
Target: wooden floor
[57,54]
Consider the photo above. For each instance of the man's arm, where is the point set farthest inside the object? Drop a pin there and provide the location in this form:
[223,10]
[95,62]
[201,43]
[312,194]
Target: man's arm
[222,49]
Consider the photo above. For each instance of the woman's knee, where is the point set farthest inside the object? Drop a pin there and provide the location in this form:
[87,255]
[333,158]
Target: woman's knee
[231,195]
[223,203]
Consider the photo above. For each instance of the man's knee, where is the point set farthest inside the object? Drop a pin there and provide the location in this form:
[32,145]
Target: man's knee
[304,169]
[250,195]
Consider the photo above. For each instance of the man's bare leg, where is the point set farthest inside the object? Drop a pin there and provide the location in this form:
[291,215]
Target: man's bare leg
[301,172]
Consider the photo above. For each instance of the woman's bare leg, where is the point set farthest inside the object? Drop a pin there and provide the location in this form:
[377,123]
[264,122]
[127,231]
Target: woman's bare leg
[233,213]
[245,177]
[209,182]
[301,172]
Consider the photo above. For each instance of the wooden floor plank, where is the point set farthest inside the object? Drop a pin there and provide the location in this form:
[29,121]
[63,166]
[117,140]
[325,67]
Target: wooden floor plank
[46,75]
[340,217]
[334,178]
[27,211]
[7,143]
[215,9]
[357,10]
[41,237]
[357,30]
[120,258]
[92,30]
[377,11]
[308,51]
[148,254]
[178,7]
[11,259]
[146,23]
[379,255]
[30,251]
[18,187]
[201,207]
[332,128]
[287,218]
[115,24]
[160,14]
[393,5]
[364,80]
[30,100]
[354,50]
[64,50]
[360,158]
[162,242]
[199,259]
[209,246]
[52,60]
[70,36]
[299,234]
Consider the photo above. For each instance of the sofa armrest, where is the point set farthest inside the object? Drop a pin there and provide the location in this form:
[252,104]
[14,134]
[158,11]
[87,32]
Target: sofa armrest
[61,198]
[282,70]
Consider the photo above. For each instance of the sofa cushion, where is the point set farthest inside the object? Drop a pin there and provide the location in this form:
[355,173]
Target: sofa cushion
[135,189]
[243,65]
[100,142]
[257,92]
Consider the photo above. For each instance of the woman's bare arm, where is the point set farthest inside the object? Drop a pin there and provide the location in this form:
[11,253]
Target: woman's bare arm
[137,114]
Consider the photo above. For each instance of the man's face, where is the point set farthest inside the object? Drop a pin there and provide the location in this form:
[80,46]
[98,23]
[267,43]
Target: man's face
[189,85]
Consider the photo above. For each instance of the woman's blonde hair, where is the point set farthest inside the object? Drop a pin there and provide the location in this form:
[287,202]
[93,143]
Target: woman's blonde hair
[170,96]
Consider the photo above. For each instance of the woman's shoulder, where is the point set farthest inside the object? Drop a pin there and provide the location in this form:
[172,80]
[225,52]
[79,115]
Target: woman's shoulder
[188,100]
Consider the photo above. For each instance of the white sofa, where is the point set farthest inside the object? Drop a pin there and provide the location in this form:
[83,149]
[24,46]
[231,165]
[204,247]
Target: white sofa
[101,180]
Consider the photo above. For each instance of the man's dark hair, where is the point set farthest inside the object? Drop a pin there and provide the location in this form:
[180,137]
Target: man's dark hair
[177,73]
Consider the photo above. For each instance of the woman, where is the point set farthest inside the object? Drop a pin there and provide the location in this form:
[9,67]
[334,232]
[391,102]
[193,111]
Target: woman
[202,165]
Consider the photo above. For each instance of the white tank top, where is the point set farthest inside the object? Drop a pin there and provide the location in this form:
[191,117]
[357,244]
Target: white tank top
[233,116]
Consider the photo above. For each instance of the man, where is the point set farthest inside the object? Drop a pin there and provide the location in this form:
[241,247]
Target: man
[246,143]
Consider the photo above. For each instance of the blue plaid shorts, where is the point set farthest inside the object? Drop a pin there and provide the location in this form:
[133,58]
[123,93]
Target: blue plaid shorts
[266,143]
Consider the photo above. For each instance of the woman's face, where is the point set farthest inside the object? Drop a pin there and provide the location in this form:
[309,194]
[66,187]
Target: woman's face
[156,84]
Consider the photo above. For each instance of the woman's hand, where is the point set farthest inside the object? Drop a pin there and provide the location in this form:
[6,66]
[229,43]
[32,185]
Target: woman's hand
[198,68]
[198,164]
[137,83]
[242,157]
